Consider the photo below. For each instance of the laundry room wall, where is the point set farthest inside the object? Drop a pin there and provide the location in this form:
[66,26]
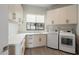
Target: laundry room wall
[3,28]
[29,9]
[78,32]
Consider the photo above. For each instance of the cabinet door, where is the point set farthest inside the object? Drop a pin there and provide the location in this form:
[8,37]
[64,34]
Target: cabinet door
[52,17]
[71,14]
[49,18]
[56,16]
[60,18]
[42,40]
[36,40]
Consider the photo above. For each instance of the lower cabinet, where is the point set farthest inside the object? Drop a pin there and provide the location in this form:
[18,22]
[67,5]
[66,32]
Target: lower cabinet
[35,40]
[42,40]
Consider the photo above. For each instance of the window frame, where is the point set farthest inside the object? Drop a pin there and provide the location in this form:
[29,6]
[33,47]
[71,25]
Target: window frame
[38,26]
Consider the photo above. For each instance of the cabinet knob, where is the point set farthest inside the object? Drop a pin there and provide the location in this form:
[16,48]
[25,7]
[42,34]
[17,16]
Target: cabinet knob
[67,21]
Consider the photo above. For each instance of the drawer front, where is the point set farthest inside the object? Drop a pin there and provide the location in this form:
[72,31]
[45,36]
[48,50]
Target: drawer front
[29,41]
[29,45]
[30,37]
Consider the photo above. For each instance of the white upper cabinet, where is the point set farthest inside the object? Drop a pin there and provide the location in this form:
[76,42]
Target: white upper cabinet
[71,14]
[64,15]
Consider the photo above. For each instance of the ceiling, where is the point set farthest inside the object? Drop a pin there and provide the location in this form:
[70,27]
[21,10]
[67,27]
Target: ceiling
[47,6]
[42,5]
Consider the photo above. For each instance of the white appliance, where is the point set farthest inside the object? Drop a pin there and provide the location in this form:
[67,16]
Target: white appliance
[52,39]
[67,42]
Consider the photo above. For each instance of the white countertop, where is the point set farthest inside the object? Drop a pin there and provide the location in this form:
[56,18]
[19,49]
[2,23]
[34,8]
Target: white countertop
[31,33]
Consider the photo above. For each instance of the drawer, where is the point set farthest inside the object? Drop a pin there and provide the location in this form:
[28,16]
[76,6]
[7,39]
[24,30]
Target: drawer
[29,45]
[29,36]
[28,40]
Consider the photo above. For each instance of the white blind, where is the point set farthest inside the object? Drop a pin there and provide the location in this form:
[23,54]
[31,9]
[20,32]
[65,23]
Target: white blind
[35,18]
[30,18]
[39,18]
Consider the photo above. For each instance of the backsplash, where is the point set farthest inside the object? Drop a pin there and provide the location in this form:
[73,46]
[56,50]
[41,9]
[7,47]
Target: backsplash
[65,27]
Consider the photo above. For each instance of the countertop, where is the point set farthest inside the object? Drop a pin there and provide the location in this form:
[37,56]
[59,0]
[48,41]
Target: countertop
[31,33]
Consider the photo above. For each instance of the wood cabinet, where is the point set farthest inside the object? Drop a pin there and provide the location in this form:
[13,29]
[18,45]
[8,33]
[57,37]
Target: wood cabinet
[35,40]
[64,15]
[29,41]
[42,40]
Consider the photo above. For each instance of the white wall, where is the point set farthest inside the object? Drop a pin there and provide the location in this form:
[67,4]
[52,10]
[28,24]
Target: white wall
[3,26]
[12,32]
[78,22]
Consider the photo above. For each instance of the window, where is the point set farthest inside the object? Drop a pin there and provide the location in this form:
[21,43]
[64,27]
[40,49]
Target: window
[34,22]
[30,18]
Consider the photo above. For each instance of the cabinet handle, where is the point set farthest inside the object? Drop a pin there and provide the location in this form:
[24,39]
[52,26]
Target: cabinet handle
[52,22]
[67,21]
[39,39]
